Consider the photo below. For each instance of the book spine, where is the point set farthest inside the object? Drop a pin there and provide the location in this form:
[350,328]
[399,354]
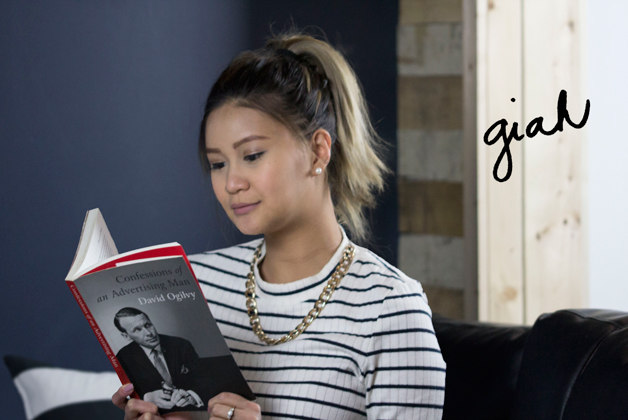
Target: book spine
[99,335]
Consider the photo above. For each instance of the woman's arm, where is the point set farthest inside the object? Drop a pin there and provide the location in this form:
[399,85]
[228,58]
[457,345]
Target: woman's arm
[404,369]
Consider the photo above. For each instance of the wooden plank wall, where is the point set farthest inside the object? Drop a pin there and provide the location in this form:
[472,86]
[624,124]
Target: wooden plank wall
[472,92]
[531,228]
[555,173]
[430,150]
[500,255]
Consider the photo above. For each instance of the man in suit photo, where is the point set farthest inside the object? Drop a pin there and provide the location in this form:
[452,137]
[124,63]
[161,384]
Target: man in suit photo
[160,367]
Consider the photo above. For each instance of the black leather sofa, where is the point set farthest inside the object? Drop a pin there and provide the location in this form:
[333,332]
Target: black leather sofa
[570,365]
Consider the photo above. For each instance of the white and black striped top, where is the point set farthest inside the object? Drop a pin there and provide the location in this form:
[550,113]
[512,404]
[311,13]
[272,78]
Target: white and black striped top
[372,352]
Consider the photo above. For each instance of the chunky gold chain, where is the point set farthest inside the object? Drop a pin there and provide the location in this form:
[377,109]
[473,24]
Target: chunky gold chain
[251,303]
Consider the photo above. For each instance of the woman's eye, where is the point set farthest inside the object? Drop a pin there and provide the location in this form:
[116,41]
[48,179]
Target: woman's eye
[253,157]
[216,166]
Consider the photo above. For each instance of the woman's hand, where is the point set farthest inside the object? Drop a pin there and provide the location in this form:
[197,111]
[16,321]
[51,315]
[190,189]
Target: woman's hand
[134,408]
[220,405]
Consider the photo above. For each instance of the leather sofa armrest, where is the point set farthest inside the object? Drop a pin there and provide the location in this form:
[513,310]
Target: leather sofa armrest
[575,366]
[482,366]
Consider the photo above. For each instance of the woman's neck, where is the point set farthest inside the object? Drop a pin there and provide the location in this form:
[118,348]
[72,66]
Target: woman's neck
[301,252]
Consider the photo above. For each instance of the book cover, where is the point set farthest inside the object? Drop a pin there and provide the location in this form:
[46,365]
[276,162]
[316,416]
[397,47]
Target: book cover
[155,327]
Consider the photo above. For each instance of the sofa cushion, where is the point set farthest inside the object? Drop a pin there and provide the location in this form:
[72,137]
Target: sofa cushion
[600,390]
[560,366]
[482,366]
[52,393]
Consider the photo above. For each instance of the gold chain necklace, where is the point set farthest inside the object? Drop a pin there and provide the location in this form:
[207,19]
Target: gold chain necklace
[251,303]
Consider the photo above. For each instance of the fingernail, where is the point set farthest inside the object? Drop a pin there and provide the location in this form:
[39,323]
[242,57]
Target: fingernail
[128,388]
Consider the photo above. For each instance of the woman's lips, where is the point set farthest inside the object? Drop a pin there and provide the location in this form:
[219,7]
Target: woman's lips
[243,209]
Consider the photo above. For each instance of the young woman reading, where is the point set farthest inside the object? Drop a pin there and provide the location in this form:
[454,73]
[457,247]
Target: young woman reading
[321,327]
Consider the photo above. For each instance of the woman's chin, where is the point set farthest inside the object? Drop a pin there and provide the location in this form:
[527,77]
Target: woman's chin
[251,232]
[250,229]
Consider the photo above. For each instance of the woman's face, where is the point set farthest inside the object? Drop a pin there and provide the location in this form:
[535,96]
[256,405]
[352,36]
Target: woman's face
[261,174]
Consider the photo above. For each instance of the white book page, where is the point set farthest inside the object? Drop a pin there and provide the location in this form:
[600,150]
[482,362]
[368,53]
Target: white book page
[100,246]
[120,264]
[95,245]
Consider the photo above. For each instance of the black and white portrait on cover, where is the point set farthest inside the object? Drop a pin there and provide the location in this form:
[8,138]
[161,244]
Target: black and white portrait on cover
[161,367]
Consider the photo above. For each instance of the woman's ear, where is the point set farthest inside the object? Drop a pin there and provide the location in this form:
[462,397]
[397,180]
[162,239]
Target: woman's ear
[321,147]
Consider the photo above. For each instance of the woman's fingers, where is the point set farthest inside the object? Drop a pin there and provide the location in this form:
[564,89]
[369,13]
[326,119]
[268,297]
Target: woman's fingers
[220,405]
[226,398]
[119,398]
[136,408]
[220,411]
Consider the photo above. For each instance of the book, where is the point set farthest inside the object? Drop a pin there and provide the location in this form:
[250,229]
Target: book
[149,315]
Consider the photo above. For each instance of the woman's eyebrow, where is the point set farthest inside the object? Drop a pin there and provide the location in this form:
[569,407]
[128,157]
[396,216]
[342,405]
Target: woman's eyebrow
[238,143]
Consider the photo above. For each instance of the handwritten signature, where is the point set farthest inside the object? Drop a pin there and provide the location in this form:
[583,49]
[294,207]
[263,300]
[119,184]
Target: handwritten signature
[532,129]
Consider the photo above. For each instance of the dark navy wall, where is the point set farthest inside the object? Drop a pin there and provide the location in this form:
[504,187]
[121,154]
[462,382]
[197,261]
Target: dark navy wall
[365,31]
[100,104]
[99,107]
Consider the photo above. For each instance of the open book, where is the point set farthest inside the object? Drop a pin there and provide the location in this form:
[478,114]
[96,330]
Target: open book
[151,318]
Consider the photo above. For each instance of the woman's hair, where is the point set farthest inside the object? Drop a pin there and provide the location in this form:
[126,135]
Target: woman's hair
[305,84]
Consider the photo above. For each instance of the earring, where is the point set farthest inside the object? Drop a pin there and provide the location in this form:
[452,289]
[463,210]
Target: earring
[318,171]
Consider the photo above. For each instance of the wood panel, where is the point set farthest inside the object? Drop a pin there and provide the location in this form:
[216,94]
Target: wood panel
[532,228]
[429,49]
[500,217]
[555,222]
[430,155]
[445,301]
[430,103]
[419,11]
[470,159]
[432,259]
[430,207]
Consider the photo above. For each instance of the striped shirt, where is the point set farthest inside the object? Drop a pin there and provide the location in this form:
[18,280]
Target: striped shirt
[371,353]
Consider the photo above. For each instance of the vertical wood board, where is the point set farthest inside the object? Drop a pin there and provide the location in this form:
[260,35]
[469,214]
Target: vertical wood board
[501,255]
[470,159]
[555,255]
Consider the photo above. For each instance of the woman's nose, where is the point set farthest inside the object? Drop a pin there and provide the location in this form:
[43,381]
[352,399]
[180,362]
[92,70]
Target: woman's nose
[235,181]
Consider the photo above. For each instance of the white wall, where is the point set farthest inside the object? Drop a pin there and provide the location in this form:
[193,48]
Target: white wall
[607,79]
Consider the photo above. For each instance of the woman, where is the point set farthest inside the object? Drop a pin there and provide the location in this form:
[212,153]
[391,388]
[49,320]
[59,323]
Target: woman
[292,155]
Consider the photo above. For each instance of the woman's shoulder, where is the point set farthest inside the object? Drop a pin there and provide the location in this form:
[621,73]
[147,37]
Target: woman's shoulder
[369,266]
